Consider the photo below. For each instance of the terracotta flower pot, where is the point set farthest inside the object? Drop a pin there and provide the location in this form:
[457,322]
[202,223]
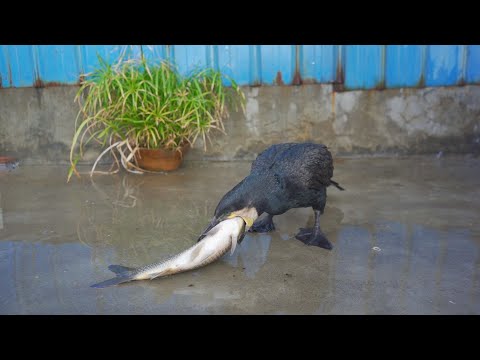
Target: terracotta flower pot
[161,160]
[8,163]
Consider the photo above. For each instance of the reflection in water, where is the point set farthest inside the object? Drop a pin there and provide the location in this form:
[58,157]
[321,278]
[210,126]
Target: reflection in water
[125,194]
[43,278]
[58,239]
[251,254]
[418,271]
[126,220]
[1,212]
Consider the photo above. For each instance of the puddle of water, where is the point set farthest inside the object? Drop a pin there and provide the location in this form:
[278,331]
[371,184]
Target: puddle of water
[57,239]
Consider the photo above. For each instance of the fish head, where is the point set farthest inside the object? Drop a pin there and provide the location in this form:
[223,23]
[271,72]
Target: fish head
[210,226]
[247,215]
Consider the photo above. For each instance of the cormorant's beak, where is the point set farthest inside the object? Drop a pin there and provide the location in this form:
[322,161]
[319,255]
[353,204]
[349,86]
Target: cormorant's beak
[212,224]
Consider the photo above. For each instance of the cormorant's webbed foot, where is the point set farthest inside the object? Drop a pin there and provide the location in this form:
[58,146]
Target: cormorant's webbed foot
[308,237]
[263,225]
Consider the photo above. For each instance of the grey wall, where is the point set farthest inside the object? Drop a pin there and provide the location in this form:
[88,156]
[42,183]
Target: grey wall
[37,125]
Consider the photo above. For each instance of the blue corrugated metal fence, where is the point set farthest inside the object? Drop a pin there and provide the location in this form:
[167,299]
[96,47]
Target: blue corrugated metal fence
[349,66]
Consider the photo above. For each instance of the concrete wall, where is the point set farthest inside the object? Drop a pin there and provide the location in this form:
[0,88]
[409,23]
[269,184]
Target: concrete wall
[37,125]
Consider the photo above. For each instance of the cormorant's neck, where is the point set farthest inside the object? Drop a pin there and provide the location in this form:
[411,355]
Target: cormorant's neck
[251,192]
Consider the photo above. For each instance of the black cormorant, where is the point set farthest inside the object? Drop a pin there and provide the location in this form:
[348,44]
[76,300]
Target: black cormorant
[282,177]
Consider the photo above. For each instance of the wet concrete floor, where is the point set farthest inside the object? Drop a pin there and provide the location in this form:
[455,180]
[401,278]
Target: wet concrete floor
[406,236]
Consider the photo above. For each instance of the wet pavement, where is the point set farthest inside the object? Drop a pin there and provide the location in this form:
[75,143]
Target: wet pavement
[406,237]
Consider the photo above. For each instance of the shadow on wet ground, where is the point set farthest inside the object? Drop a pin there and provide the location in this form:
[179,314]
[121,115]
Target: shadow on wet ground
[406,240]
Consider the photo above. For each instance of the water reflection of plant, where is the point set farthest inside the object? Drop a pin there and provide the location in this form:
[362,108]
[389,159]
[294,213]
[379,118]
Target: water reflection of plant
[127,219]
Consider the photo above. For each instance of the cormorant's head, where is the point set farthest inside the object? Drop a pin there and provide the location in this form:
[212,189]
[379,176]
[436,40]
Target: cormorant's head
[237,202]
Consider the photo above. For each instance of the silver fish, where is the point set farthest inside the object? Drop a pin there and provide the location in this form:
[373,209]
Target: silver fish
[214,245]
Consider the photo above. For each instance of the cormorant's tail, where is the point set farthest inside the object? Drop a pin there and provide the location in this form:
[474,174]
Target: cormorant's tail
[124,274]
[334,183]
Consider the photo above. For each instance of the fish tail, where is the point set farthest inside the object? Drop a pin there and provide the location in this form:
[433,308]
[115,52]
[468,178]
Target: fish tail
[119,269]
[112,282]
[124,274]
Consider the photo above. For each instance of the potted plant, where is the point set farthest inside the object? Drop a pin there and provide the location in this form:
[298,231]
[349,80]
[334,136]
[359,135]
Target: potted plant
[148,115]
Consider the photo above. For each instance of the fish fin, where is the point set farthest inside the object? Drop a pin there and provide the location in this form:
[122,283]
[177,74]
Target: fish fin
[112,282]
[238,239]
[124,274]
[153,276]
[119,269]
[234,244]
